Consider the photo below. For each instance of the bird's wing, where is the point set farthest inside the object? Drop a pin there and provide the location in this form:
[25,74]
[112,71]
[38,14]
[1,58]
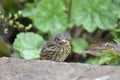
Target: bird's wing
[48,50]
[48,45]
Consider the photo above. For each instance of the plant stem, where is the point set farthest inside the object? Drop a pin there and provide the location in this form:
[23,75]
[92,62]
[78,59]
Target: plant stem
[69,11]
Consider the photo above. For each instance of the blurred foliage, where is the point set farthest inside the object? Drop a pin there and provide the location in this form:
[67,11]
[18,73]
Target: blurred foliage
[117,40]
[94,13]
[47,16]
[100,13]
[28,45]
[93,61]
[116,35]
[13,20]
[4,48]
[77,48]
[11,5]
[51,17]
[108,54]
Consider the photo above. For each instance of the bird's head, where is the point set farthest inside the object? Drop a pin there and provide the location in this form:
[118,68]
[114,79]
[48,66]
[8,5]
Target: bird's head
[62,39]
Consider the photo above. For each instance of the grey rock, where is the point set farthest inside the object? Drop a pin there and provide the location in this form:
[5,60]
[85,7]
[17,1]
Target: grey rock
[20,69]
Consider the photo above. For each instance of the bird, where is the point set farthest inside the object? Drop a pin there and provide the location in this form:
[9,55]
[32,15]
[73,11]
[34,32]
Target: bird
[57,49]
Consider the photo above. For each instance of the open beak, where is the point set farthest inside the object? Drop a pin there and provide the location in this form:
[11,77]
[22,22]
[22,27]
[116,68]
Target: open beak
[63,41]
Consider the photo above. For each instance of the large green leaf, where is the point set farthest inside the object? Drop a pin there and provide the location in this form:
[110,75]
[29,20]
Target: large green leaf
[94,13]
[47,15]
[79,46]
[28,44]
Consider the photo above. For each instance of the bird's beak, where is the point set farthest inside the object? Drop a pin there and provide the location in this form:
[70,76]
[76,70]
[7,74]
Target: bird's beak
[63,41]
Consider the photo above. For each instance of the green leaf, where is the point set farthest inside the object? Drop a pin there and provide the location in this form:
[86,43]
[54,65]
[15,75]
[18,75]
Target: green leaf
[28,44]
[117,40]
[94,13]
[115,33]
[110,56]
[6,30]
[79,45]
[93,61]
[30,54]
[47,15]
[30,10]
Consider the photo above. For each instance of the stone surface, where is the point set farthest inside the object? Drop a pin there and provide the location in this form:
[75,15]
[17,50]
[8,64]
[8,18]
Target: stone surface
[19,69]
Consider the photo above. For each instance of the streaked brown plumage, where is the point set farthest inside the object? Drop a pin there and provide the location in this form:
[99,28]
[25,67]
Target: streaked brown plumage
[57,49]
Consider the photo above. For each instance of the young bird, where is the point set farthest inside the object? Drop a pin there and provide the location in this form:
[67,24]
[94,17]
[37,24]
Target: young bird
[57,49]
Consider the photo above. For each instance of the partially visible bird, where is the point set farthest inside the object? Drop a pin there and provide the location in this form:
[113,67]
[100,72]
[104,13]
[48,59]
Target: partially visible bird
[57,49]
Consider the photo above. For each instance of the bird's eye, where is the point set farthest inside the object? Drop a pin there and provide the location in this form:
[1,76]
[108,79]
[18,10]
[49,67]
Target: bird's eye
[57,39]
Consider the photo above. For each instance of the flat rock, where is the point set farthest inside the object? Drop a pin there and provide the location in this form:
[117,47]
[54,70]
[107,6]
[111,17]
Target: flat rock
[20,69]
